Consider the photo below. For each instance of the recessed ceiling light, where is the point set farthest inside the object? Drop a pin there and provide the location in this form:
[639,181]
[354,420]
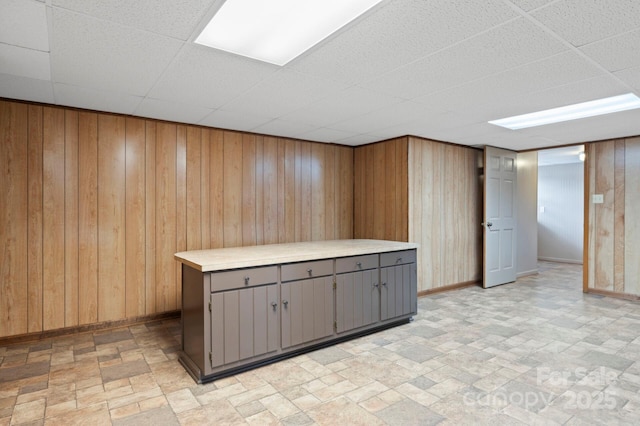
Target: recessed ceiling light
[570,112]
[277,31]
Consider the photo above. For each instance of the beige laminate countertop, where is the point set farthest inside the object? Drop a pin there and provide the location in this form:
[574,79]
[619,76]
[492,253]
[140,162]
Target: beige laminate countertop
[271,254]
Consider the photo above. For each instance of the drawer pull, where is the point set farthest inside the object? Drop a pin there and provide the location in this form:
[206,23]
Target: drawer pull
[398,260]
[246,280]
[384,284]
[376,285]
[359,265]
[275,305]
[285,303]
[310,272]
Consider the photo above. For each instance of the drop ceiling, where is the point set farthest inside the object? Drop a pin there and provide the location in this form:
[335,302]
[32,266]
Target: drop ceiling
[439,69]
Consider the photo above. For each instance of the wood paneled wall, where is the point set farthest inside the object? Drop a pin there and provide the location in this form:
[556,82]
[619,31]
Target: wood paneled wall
[613,170]
[381,197]
[93,206]
[445,212]
[426,192]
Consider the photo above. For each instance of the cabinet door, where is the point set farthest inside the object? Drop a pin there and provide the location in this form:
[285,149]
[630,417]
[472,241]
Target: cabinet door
[399,291]
[244,324]
[357,299]
[307,310]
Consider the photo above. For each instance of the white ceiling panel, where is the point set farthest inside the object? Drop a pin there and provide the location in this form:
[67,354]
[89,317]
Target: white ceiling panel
[24,62]
[398,33]
[171,111]
[209,77]
[106,56]
[27,89]
[616,53]
[346,104]
[437,69]
[24,23]
[173,18]
[98,100]
[283,128]
[513,44]
[582,22]
[283,92]
[233,120]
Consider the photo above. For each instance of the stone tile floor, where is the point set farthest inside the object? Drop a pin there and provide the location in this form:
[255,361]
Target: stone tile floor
[535,352]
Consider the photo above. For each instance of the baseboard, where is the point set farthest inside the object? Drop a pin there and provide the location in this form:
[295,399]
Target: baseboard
[560,260]
[526,273]
[28,337]
[448,288]
[610,293]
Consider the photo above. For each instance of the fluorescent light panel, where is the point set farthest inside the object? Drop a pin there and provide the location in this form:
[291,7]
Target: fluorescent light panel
[571,112]
[278,31]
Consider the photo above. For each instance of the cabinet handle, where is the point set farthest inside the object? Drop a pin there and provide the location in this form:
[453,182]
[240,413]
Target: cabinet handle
[376,285]
[359,265]
[285,303]
[275,305]
[246,280]
[398,260]
[310,271]
[384,284]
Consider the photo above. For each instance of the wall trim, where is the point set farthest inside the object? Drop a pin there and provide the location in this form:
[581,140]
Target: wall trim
[560,260]
[527,273]
[41,335]
[450,287]
[610,293]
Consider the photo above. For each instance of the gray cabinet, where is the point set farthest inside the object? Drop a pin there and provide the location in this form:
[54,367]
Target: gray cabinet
[237,319]
[357,292]
[307,302]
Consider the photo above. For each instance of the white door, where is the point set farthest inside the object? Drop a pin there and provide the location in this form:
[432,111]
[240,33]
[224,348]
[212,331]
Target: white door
[500,172]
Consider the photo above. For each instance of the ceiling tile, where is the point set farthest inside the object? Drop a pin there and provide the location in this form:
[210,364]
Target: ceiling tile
[106,56]
[324,134]
[584,21]
[529,5]
[282,128]
[631,76]
[97,100]
[358,140]
[171,111]
[398,33]
[233,120]
[616,53]
[24,62]
[24,23]
[282,93]
[385,117]
[209,77]
[348,103]
[26,89]
[174,18]
[510,45]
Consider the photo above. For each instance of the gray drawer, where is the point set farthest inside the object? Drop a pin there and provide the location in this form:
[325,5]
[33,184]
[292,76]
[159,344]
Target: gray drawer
[356,263]
[397,258]
[303,270]
[242,278]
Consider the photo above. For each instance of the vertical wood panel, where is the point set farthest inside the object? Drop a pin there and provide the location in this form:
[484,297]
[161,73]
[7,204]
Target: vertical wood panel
[181,207]
[260,190]
[306,189]
[619,215]
[205,192]
[271,190]
[194,197]
[604,215]
[150,217]
[135,217]
[53,220]
[631,209]
[317,222]
[391,190]
[166,223]
[111,218]
[290,206]
[248,190]
[216,187]
[88,217]
[330,155]
[34,219]
[232,189]
[71,188]
[14,136]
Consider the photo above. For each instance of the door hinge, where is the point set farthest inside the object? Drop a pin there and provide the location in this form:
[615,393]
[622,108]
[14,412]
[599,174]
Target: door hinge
[211,358]
[209,306]
[335,325]
[335,285]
